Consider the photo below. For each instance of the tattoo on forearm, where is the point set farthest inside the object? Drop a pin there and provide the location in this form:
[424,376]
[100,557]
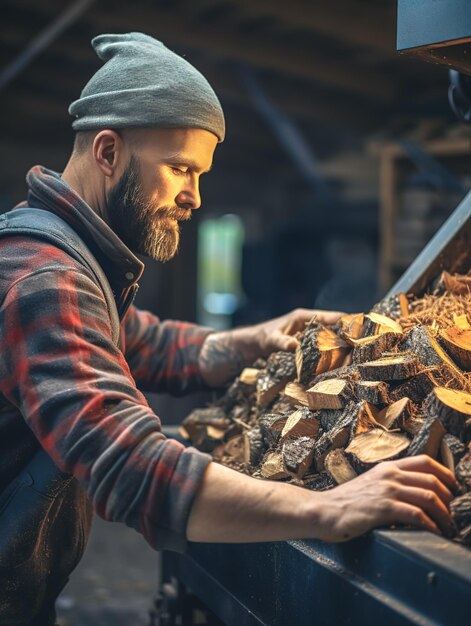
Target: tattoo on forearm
[220,360]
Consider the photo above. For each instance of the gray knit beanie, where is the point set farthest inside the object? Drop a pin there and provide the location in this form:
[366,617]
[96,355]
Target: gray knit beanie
[144,84]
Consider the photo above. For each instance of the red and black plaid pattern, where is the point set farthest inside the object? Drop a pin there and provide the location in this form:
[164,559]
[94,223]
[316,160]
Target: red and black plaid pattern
[64,384]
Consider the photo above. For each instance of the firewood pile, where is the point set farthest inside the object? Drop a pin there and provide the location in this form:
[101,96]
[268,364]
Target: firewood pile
[379,386]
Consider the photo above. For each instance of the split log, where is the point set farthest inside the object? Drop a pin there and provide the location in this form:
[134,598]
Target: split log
[301,423]
[396,414]
[271,426]
[451,451]
[415,388]
[394,307]
[320,350]
[422,342]
[195,427]
[428,439]
[298,454]
[336,437]
[372,391]
[377,445]
[463,471]
[329,417]
[329,394]
[272,467]
[338,466]
[297,394]
[254,446]
[377,324]
[453,408]
[457,343]
[349,373]
[398,367]
[280,369]
[317,482]
[351,327]
[373,347]
[364,419]
[460,509]
[234,453]
[413,425]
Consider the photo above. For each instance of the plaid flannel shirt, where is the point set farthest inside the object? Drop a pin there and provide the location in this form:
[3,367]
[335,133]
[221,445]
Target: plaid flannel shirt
[64,384]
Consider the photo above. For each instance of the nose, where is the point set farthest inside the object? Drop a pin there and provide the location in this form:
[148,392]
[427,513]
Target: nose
[189,197]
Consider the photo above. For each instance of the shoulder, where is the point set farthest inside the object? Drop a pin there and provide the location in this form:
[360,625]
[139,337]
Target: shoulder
[22,256]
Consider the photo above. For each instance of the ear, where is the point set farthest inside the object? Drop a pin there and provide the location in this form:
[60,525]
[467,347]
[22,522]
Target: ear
[107,149]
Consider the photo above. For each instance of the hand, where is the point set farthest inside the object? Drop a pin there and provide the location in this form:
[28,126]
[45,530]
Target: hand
[415,491]
[224,354]
[278,334]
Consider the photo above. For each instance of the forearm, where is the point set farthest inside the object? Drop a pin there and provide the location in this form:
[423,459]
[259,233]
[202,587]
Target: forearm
[224,355]
[234,508]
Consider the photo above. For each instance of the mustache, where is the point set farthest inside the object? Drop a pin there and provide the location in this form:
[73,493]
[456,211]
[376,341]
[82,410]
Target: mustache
[174,213]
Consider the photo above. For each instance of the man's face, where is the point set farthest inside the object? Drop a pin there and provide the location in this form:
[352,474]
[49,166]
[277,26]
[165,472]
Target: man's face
[159,188]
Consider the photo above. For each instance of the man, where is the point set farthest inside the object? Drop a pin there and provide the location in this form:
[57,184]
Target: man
[147,126]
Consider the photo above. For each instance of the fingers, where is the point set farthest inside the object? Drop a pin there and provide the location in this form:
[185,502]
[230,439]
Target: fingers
[425,464]
[430,504]
[411,515]
[298,319]
[428,482]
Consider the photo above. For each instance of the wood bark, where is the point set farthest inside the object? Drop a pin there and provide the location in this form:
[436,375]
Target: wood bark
[451,451]
[372,391]
[298,454]
[280,369]
[428,439]
[463,471]
[373,347]
[416,388]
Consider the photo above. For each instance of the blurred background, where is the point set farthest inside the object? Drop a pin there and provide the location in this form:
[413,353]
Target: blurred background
[342,159]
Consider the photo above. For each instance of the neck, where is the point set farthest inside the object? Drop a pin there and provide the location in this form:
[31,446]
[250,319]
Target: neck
[79,177]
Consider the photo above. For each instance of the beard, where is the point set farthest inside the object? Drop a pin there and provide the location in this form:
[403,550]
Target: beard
[143,227]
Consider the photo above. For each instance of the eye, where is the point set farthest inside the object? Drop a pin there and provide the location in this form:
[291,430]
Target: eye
[179,171]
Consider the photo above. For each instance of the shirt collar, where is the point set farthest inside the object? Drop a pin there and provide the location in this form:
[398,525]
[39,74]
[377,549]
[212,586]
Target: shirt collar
[48,191]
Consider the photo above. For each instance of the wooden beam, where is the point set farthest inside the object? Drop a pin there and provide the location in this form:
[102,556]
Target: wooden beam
[258,50]
[372,26]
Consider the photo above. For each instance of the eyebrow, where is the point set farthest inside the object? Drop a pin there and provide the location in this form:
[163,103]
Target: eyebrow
[181,160]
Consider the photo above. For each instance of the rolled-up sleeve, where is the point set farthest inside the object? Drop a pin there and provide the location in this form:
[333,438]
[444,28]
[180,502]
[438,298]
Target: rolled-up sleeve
[76,392]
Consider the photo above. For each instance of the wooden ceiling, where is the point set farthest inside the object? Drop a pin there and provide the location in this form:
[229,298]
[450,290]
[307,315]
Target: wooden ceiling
[329,66]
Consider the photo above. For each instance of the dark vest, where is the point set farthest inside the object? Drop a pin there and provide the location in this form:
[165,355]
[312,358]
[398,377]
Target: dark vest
[45,515]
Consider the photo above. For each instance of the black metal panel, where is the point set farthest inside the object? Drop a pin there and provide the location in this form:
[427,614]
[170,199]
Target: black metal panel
[429,22]
[449,249]
[392,578]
